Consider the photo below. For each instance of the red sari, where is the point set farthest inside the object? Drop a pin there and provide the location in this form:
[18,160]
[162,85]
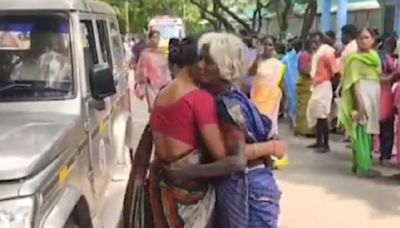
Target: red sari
[384,142]
[396,102]
[160,202]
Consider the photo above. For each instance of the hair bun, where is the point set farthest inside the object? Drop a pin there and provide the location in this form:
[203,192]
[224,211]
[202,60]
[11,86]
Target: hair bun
[185,53]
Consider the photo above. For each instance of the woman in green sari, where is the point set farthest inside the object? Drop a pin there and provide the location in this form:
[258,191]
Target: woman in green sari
[360,101]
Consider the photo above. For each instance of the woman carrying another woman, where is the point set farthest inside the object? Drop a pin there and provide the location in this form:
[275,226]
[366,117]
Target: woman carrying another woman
[359,113]
[152,71]
[187,137]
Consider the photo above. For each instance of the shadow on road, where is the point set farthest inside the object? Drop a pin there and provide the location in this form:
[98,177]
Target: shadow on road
[332,172]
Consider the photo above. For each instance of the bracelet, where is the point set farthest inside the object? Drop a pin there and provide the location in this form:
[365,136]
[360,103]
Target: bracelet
[273,148]
[255,150]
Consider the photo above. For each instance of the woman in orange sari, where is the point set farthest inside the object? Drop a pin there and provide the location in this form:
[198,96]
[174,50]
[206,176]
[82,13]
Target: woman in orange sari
[266,92]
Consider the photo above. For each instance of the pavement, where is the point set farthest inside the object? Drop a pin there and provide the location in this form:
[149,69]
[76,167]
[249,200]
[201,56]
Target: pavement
[319,191]
[109,215]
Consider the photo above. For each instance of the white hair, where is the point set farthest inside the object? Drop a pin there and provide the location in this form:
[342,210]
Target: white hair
[229,53]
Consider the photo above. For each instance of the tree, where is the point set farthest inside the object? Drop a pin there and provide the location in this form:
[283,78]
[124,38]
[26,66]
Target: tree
[140,12]
[257,19]
[308,16]
[210,10]
[220,14]
[283,10]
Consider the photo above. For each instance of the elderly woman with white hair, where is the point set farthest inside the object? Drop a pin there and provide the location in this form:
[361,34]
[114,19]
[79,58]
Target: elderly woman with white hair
[250,198]
[191,147]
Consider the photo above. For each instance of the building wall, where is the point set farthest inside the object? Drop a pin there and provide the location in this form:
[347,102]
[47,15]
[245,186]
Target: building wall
[363,18]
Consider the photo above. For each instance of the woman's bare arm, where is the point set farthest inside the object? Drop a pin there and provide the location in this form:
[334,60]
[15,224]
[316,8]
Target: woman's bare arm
[387,78]
[219,168]
[276,148]
[361,112]
[224,165]
[234,142]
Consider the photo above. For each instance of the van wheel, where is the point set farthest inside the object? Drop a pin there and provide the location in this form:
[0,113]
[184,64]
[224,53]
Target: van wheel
[71,223]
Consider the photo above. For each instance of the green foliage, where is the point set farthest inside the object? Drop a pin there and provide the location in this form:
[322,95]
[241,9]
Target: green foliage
[220,14]
[140,12]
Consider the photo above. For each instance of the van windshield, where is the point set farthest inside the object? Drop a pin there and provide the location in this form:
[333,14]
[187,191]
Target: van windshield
[168,31]
[35,57]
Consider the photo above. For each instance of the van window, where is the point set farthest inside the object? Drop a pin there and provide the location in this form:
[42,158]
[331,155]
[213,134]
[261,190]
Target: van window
[89,45]
[117,47]
[35,57]
[104,41]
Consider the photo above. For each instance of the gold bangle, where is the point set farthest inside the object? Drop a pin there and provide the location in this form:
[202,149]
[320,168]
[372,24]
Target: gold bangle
[255,149]
[273,148]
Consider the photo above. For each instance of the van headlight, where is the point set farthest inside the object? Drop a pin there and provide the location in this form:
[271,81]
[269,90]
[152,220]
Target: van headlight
[16,213]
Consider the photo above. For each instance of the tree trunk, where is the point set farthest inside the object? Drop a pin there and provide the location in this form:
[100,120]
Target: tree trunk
[257,17]
[254,18]
[211,20]
[285,16]
[260,21]
[215,15]
[226,9]
[308,18]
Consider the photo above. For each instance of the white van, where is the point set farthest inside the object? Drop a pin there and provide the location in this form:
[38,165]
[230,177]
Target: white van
[64,110]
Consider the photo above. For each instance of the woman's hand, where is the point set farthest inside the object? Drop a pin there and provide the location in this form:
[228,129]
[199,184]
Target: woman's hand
[275,137]
[230,164]
[361,115]
[177,172]
[279,149]
[387,78]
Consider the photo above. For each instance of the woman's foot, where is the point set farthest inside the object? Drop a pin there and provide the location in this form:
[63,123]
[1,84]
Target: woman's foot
[309,135]
[323,150]
[384,162]
[314,146]
[346,140]
[369,174]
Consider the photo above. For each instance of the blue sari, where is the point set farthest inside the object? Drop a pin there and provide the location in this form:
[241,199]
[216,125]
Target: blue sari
[247,199]
[291,60]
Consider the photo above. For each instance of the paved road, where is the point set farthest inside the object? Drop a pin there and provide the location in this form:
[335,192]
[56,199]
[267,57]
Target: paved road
[319,191]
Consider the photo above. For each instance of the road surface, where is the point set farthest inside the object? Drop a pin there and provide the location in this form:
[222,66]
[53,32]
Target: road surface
[319,191]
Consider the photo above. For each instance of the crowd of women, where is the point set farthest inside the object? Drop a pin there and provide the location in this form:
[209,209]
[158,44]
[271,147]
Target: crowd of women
[207,156]
[351,85]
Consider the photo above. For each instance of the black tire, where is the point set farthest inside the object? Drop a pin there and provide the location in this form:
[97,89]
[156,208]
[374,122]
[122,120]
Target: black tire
[71,223]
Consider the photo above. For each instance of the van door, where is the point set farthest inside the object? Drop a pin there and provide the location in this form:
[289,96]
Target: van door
[98,120]
[121,102]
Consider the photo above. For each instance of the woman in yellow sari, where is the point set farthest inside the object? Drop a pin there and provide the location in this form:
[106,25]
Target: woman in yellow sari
[266,92]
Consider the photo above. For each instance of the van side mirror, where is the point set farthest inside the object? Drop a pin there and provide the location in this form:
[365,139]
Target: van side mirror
[101,82]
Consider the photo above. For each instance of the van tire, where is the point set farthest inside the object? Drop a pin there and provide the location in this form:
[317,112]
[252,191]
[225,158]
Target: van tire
[80,216]
[71,223]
